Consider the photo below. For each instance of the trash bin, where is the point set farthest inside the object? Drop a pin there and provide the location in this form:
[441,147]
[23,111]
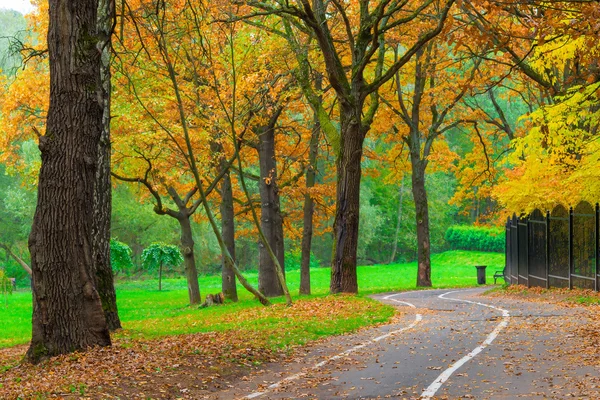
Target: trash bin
[481,274]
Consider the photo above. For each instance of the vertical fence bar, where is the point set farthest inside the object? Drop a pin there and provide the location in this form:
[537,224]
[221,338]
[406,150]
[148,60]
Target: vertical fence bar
[527,241]
[509,265]
[548,250]
[507,251]
[518,251]
[596,244]
[571,248]
[513,250]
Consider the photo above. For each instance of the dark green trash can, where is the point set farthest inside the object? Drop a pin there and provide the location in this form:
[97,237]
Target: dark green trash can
[481,274]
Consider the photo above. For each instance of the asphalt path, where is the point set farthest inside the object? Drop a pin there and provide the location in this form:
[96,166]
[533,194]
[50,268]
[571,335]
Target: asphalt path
[446,344]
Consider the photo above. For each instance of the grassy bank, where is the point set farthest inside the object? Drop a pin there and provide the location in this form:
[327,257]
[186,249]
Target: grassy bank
[148,313]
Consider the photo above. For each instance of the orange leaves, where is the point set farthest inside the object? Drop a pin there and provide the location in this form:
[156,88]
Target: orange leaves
[184,366]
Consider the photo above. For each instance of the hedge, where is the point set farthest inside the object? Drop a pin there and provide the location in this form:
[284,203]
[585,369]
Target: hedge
[475,238]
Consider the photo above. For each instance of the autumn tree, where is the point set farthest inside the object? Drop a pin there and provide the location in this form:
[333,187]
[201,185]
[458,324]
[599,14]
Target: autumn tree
[186,117]
[494,120]
[425,102]
[151,151]
[553,45]
[67,310]
[350,38]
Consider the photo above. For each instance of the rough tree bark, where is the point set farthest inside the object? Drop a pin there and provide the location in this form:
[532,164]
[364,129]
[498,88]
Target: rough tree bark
[228,282]
[345,225]
[422,219]
[189,258]
[271,220]
[67,310]
[183,215]
[102,190]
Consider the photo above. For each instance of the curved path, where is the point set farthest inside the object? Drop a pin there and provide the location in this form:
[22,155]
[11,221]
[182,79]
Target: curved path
[447,344]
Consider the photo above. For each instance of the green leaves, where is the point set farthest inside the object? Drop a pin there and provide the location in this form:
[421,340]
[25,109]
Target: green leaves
[120,256]
[475,238]
[161,254]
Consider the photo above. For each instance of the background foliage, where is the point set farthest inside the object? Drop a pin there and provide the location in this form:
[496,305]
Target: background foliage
[476,238]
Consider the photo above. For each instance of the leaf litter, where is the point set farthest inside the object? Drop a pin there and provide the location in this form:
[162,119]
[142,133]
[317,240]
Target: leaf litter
[185,366]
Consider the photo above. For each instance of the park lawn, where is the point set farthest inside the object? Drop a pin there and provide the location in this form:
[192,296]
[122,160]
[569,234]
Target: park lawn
[147,313]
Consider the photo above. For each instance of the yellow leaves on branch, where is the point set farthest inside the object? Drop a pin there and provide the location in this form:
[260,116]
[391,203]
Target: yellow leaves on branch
[558,161]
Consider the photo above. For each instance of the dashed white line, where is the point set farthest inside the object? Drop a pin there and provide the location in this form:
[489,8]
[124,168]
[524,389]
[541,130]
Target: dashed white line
[443,377]
[418,318]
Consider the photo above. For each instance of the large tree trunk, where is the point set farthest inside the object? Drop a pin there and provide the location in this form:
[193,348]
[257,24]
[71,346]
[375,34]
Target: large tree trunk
[228,283]
[309,206]
[187,248]
[345,226]
[102,191]
[271,220]
[422,220]
[67,310]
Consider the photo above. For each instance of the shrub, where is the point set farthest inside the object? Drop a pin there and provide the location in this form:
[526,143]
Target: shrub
[475,238]
[120,257]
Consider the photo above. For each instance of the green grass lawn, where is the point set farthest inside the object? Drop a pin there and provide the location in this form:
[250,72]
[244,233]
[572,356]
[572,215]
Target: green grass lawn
[146,312]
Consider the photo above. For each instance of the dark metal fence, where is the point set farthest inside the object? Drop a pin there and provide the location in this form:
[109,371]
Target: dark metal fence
[555,249]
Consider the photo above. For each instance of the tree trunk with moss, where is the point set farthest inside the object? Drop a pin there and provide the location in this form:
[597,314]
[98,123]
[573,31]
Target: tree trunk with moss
[189,258]
[67,310]
[422,221]
[103,190]
[270,216]
[347,213]
[228,281]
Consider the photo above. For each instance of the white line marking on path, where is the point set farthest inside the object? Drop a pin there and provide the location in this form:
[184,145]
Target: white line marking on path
[418,318]
[435,386]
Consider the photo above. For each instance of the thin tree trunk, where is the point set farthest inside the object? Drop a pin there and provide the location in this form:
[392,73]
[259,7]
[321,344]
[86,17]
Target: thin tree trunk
[160,277]
[422,220]
[18,259]
[309,204]
[102,190]
[398,220]
[261,297]
[271,220]
[228,283]
[278,269]
[67,310]
[187,248]
[345,226]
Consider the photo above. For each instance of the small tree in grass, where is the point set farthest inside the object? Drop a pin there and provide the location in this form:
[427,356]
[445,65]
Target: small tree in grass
[5,286]
[158,255]
[120,257]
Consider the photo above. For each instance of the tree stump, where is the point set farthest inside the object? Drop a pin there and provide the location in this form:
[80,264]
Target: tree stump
[212,299]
